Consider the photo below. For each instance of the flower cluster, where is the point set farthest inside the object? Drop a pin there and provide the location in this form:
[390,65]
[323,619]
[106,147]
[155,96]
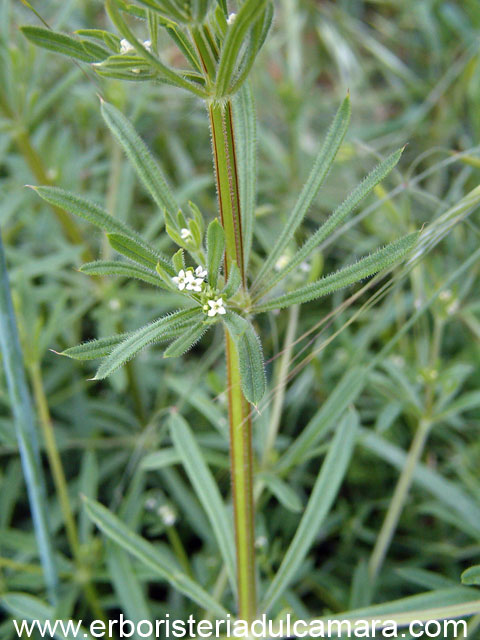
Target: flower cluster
[190,280]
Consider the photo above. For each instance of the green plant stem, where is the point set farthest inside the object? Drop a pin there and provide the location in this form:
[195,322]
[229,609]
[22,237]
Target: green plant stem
[241,457]
[398,500]
[53,456]
[241,464]
[228,190]
[60,482]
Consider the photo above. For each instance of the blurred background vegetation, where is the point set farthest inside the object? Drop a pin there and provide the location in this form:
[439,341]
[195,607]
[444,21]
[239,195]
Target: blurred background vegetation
[413,72]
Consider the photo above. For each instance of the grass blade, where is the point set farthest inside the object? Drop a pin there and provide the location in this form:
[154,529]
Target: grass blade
[152,557]
[322,497]
[344,394]
[25,428]
[140,339]
[320,169]
[206,490]
[141,158]
[365,267]
[128,587]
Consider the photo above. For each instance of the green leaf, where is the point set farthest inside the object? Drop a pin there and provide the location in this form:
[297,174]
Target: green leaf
[471,576]
[321,500]
[152,557]
[248,14]
[206,489]
[368,266]
[23,606]
[83,50]
[282,491]
[215,249]
[139,155]
[139,251]
[234,280]
[141,338]
[337,217]
[127,586]
[164,72]
[178,261]
[94,348]
[26,430]
[186,340]
[344,394]
[85,209]
[116,268]
[320,169]
[245,122]
[252,369]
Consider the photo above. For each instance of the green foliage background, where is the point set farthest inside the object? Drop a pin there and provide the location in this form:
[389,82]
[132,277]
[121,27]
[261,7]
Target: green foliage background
[413,72]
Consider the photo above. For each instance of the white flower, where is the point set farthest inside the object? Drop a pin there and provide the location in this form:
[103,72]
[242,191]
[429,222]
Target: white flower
[216,306]
[282,262]
[181,279]
[185,234]
[187,279]
[126,47]
[231,19]
[194,284]
[200,272]
[148,45]
[168,515]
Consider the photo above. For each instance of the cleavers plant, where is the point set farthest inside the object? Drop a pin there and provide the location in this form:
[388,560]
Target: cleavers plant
[211,272]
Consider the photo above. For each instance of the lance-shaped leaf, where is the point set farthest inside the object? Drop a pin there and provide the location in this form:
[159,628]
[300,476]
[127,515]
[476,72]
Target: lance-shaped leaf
[319,172]
[252,369]
[116,268]
[94,349]
[83,50]
[138,340]
[249,13]
[163,71]
[324,492]
[101,347]
[150,556]
[139,155]
[206,489]
[368,266]
[234,281]
[256,38]
[246,147]
[139,251]
[471,576]
[337,217]
[215,249]
[85,209]
[188,338]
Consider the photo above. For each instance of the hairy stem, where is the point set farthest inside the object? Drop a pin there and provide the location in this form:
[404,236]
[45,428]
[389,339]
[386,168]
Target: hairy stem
[241,462]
